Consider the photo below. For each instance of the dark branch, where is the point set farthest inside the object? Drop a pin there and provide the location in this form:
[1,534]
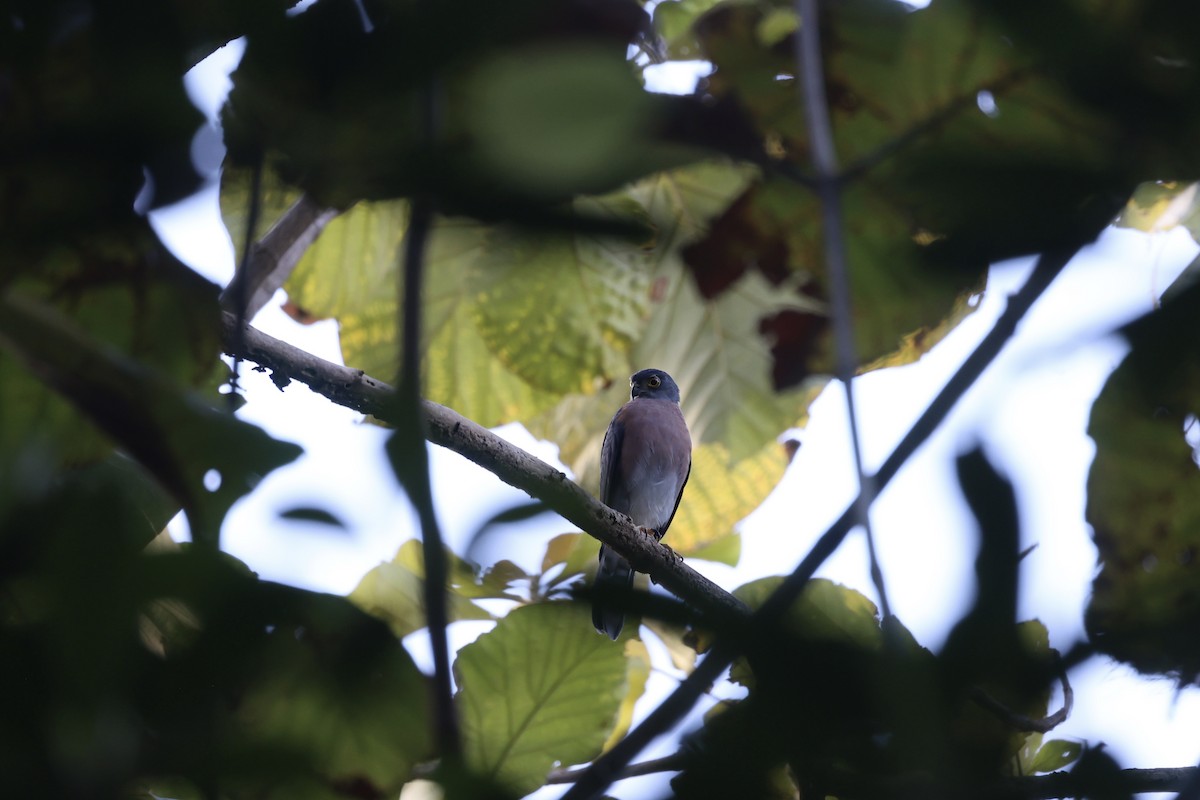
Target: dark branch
[837,266]
[1021,722]
[270,261]
[671,763]
[410,462]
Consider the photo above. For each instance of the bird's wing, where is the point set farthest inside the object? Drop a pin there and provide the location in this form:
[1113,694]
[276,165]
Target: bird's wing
[687,473]
[610,459]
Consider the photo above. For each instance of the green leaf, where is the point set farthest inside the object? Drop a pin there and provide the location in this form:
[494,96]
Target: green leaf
[1055,754]
[726,550]
[577,553]
[825,611]
[673,20]
[558,120]
[673,637]
[595,289]
[349,700]
[394,592]
[134,300]
[541,689]
[183,442]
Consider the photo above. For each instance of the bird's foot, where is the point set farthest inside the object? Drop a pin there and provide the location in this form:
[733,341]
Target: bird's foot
[658,537]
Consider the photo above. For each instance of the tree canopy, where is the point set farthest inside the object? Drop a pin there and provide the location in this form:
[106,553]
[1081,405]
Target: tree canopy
[506,223]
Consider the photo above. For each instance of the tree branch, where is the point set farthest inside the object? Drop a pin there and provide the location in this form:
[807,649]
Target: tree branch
[837,262]
[671,763]
[1022,722]
[352,388]
[272,258]
[1027,787]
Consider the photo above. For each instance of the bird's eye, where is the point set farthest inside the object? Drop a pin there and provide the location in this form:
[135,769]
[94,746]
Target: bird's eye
[654,382]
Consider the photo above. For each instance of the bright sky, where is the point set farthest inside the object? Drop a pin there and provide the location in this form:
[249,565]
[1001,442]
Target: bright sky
[1029,410]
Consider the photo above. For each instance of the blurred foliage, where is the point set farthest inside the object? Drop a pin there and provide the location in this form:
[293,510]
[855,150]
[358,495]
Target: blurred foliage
[842,703]
[1143,498]
[588,228]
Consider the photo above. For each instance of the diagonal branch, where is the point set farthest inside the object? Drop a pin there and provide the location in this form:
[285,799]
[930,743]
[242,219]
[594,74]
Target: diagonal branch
[352,388]
[273,257]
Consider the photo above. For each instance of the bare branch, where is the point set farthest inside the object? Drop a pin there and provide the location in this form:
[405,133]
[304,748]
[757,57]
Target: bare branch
[272,258]
[671,763]
[1021,722]
[837,266]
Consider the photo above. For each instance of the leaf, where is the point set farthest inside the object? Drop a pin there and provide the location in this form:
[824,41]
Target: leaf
[673,20]
[726,550]
[180,440]
[132,299]
[673,637]
[357,710]
[596,290]
[1143,499]
[720,493]
[540,689]
[824,612]
[1055,754]
[637,672]
[1160,206]
[394,592]
[557,120]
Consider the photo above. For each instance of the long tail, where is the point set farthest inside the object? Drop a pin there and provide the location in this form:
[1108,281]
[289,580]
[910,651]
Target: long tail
[614,574]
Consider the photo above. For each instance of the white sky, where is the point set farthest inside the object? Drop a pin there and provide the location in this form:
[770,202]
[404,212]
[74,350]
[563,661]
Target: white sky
[1030,411]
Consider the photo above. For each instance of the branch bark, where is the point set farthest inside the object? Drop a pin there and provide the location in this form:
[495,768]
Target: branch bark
[273,257]
[355,389]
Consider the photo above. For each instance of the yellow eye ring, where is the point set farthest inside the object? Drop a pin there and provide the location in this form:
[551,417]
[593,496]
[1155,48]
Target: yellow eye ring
[654,382]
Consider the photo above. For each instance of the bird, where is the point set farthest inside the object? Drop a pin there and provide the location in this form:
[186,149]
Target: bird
[645,462]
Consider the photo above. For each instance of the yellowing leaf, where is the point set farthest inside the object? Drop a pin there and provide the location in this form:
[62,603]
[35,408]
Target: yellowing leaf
[637,670]
[394,592]
[1160,206]
[683,656]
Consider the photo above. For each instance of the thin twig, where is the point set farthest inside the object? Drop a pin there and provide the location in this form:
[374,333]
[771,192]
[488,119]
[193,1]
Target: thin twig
[1022,722]
[239,290]
[604,769]
[671,763]
[410,458]
[837,266]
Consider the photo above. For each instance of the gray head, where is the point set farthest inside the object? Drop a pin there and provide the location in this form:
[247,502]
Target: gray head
[653,384]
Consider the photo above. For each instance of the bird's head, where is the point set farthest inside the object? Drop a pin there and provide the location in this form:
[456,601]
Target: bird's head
[654,384]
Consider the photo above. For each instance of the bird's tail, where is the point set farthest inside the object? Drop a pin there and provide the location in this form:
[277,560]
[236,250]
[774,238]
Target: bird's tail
[613,574]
